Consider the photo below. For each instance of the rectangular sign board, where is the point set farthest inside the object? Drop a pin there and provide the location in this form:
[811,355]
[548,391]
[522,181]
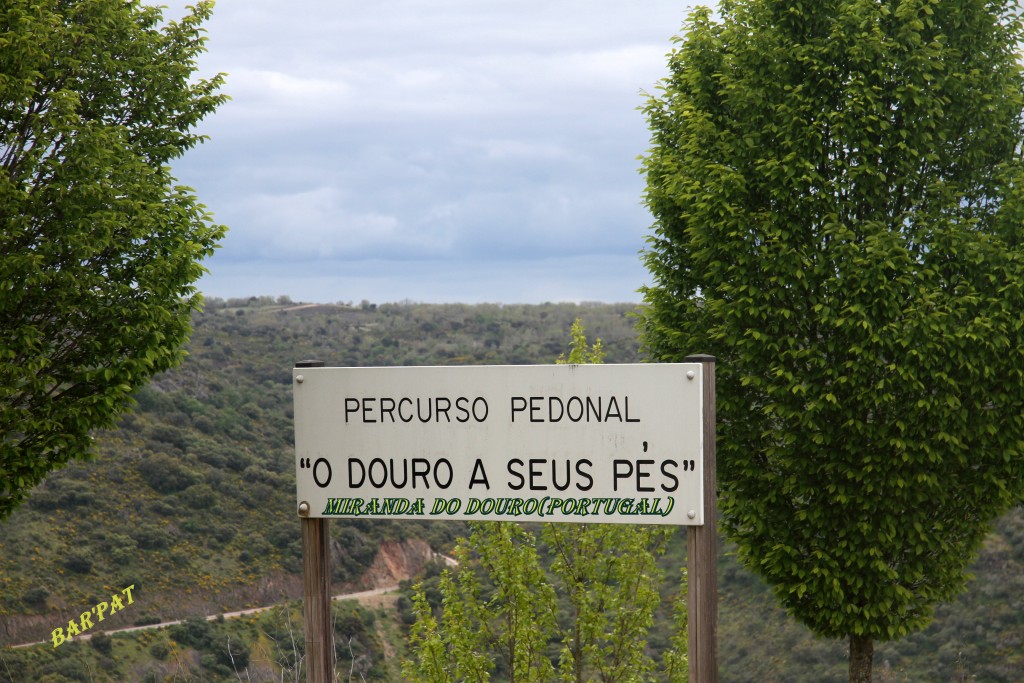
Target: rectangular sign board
[543,443]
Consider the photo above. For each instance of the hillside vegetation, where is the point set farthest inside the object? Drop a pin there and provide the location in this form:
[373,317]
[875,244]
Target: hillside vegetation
[191,501]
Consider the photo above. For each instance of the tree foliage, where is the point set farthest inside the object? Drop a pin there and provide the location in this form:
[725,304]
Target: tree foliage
[100,247]
[580,350]
[609,577]
[837,190]
[607,572]
[505,631]
[498,613]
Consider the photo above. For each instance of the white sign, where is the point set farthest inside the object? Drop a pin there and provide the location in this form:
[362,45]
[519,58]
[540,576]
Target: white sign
[545,443]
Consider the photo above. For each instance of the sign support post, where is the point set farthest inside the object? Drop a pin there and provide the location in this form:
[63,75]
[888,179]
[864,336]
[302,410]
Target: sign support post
[316,583]
[702,551]
[316,589]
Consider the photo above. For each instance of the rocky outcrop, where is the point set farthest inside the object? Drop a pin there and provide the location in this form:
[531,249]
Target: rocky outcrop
[396,561]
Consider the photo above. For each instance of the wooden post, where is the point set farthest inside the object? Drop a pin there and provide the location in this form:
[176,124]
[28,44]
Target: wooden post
[316,589]
[316,582]
[702,551]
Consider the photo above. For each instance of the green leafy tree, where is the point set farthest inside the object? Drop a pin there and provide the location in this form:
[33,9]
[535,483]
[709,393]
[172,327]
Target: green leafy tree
[606,571]
[837,190]
[476,634]
[100,247]
[609,575]
[498,613]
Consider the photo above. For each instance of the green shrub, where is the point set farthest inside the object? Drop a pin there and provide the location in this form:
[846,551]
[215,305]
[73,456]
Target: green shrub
[160,650]
[194,632]
[78,562]
[166,474]
[36,597]
[102,643]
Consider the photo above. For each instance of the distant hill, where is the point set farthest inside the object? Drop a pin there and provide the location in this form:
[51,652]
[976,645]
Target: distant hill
[192,501]
[192,498]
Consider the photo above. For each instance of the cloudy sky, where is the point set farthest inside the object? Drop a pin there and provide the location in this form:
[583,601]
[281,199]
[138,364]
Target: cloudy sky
[432,150]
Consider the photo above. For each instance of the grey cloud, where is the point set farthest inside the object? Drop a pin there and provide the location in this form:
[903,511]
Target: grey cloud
[493,140]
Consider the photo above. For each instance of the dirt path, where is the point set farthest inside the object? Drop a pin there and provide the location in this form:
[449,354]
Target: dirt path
[377,597]
[299,307]
[372,598]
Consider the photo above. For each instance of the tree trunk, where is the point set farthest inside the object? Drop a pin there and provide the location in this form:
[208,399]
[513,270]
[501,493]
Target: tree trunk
[862,649]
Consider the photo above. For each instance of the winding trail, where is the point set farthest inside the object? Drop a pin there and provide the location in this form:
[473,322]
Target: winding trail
[368,598]
[364,597]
